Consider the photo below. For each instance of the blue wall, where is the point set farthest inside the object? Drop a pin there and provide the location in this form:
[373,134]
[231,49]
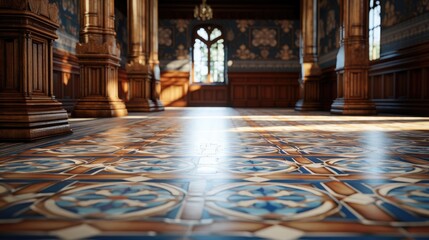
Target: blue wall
[122,35]
[262,45]
[328,32]
[404,23]
[68,32]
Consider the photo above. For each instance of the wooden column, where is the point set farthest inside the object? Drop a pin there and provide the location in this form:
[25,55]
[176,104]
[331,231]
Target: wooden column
[352,61]
[138,68]
[153,60]
[310,70]
[28,109]
[98,56]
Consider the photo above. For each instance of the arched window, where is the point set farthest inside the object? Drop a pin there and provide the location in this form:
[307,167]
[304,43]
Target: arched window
[208,55]
[374,29]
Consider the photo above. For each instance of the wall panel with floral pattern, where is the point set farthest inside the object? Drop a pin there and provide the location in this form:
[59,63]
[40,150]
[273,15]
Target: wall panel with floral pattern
[404,23]
[68,32]
[328,31]
[252,45]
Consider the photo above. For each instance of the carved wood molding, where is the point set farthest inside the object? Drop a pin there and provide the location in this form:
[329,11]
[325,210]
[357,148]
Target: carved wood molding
[94,47]
[138,67]
[39,7]
[403,59]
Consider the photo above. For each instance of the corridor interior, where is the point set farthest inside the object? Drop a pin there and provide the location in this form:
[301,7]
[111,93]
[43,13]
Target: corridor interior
[221,173]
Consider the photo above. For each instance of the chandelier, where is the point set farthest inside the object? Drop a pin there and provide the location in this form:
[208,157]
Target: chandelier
[203,12]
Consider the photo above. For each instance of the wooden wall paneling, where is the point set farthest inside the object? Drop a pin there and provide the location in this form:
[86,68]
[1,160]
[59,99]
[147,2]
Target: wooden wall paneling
[267,96]
[270,89]
[425,83]
[401,85]
[123,85]
[66,79]
[415,85]
[389,86]
[404,87]
[328,87]
[376,87]
[174,88]
[208,95]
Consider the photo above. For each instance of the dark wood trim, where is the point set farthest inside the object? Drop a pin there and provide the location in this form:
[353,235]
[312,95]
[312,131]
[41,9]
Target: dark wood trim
[65,62]
[66,78]
[399,82]
[263,89]
[328,87]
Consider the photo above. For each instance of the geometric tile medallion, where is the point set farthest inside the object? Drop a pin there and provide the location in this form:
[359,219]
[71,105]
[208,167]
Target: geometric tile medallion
[258,166]
[34,165]
[373,166]
[414,197]
[267,201]
[150,165]
[112,201]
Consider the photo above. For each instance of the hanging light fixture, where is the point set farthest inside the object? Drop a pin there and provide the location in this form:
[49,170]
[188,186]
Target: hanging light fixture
[203,12]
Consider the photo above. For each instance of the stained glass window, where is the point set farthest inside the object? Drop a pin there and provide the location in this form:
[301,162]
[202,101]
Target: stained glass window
[374,29]
[208,55]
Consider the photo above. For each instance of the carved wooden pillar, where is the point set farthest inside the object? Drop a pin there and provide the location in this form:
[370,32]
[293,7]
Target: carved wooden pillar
[98,56]
[138,68]
[153,60]
[310,70]
[28,109]
[352,61]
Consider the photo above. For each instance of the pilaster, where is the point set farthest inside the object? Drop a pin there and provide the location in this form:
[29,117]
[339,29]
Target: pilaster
[353,61]
[153,60]
[139,70]
[28,109]
[98,55]
[310,70]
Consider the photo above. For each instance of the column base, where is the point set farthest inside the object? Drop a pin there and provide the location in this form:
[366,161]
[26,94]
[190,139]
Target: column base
[303,105]
[159,106]
[141,105]
[99,107]
[31,119]
[353,107]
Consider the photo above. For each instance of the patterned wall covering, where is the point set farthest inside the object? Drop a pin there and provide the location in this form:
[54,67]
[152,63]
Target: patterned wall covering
[328,31]
[404,23]
[263,45]
[68,32]
[122,35]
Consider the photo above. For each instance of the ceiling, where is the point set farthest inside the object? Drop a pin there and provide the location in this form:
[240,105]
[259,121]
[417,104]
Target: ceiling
[229,9]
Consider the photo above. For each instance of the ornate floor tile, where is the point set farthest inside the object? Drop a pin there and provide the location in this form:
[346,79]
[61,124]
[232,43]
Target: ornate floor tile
[267,201]
[221,173]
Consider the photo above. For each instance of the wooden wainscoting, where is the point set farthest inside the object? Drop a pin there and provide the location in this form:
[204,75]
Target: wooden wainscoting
[66,79]
[399,82]
[208,95]
[328,87]
[174,88]
[243,90]
[123,85]
[270,89]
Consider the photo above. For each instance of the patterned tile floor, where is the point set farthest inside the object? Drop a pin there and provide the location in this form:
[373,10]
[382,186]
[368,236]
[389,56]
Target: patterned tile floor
[221,173]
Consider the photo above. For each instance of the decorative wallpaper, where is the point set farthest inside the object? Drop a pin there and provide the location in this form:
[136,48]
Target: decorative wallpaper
[263,45]
[122,35]
[404,23]
[68,32]
[328,31]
